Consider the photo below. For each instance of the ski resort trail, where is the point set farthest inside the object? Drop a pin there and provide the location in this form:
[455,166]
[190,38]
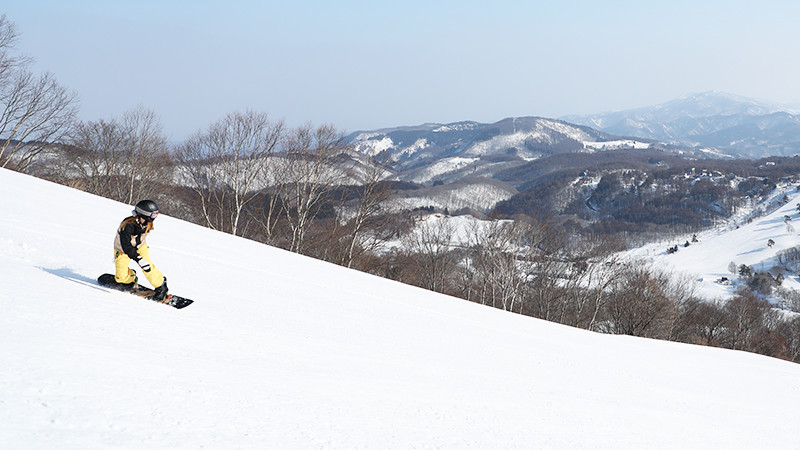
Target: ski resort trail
[283,351]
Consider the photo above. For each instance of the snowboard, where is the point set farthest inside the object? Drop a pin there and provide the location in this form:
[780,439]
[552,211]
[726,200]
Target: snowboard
[107,280]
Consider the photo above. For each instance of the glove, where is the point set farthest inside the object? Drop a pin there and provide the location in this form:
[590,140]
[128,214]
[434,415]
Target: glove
[143,264]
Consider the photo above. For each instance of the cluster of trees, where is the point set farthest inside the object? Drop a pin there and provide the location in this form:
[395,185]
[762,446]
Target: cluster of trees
[299,189]
[125,160]
[532,268]
[769,283]
[34,109]
[643,192]
[745,322]
[678,203]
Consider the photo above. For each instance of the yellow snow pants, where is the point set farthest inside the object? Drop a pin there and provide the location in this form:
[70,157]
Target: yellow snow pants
[126,275]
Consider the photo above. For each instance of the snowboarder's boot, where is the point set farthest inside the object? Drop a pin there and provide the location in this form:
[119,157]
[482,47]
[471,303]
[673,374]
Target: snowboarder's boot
[130,287]
[160,293]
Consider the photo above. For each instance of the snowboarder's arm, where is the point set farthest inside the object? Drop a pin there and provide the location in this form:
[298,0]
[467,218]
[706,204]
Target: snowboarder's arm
[125,239]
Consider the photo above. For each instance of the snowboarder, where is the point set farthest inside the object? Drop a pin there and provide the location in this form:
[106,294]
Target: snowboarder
[130,244]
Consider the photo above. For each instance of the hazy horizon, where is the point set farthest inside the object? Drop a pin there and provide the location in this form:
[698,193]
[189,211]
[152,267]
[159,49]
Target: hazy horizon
[361,65]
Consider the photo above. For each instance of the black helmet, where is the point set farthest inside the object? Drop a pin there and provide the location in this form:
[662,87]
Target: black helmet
[146,209]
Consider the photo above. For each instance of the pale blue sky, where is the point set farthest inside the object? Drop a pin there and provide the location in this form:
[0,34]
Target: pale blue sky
[372,64]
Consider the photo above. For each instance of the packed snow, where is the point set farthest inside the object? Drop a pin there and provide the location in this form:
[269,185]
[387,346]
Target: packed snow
[282,351]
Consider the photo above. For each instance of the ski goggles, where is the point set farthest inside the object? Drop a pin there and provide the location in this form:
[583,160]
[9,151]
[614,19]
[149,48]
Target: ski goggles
[150,216]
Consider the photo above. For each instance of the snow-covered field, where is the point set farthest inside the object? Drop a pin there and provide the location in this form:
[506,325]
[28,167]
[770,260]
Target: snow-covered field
[610,145]
[706,262]
[281,351]
[441,167]
[480,196]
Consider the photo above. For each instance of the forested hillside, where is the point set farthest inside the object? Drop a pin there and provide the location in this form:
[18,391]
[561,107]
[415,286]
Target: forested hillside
[636,192]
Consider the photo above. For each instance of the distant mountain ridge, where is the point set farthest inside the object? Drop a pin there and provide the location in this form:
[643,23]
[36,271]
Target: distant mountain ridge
[448,152]
[522,152]
[737,126]
[708,124]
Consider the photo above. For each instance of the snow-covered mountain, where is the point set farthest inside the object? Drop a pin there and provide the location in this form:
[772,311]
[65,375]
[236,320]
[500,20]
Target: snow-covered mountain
[735,125]
[282,351]
[473,159]
[437,152]
[707,125]
[711,124]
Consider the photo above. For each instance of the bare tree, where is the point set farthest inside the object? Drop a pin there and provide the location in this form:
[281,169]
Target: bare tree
[147,162]
[547,266]
[591,286]
[497,256]
[266,212]
[366,208]
[639,303]
[746,325]
[584,285]
[224,165]
[430,247]
[789,330]
[310,172]
[94,157]
[35,111]
[123,160]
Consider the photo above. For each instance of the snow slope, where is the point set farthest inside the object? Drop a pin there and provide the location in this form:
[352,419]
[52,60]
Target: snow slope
[281,351]
[707,261]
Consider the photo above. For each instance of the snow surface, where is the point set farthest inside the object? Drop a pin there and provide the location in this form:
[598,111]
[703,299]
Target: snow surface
[610,145]
[282,351]
[368,145]
[475,194]
[504,142]
[566,129]
[705,262]
[442,167]
[458,126]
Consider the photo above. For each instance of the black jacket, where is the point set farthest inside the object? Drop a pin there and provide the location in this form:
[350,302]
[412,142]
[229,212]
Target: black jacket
[130,236]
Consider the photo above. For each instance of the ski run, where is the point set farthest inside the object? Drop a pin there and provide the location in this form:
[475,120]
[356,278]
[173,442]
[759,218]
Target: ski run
[285,352]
